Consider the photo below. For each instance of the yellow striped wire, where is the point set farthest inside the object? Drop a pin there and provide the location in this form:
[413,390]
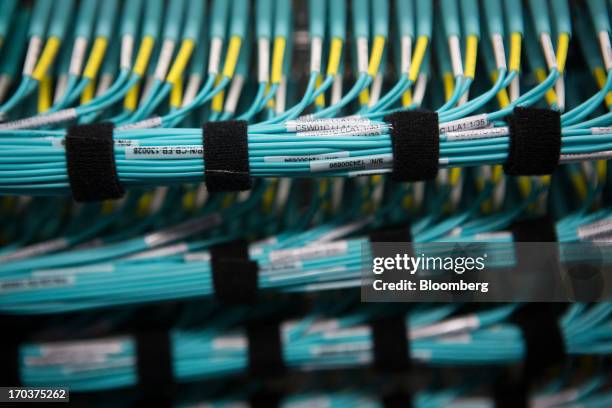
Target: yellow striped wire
[562,46]
[131,99]
[550,95]
[515,52]
[335,55]
[320,100]
[449,85]
[364,97]
[46,59]
[231,58]
[271,101]
[471,53]
[417,57]
[95,58]
[88,92]
[502,96]
[182,58]
[144,55]
[140,66]
[278,55]
[407,98]
[217,101]
[378,48]
[176,93]
[44,94]
[600,77]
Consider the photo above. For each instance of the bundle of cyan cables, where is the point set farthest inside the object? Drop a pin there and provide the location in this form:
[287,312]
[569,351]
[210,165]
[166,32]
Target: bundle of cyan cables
[216,196]
[481,338]
[471,116]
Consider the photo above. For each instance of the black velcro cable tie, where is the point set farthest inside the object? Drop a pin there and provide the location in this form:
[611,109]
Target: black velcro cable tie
[542,336]
[390,340]
[265,348]
[90,159]
[415,141]
[226,156]
[154,363]
[265,400]
[392,233]
[9,361]
[541,229]
[535,142]
[235,277]
[510,392]
[397,400]
[539,263]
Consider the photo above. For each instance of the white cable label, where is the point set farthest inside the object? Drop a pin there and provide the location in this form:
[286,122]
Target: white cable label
[601,130]
[365,163]
[286,256]
[373,129]
[169,250]
[202,256]
[182,230]
[580,157]
[96,268]
[34,283]
[308,124]
[155,121]
[164,152]
[374,172]
[306,158]
[33,250]
[42,120]
[478,134]
[594,229]
[467,123]
[61,142]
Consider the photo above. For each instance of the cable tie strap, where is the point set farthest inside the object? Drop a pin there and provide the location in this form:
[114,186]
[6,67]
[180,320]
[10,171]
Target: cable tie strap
[393,233]
[235,277]
[265,348]
[542,336]
[90,158]
[265,400]
[509,392]
[389,334]
[397,400]
[226,156]
[9,351]
[541,229]
[545,267]
[390,344]
[535,142]
[154,365]
[415,140]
